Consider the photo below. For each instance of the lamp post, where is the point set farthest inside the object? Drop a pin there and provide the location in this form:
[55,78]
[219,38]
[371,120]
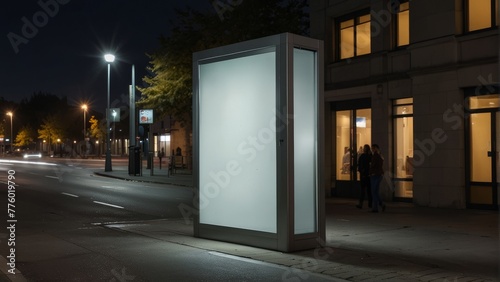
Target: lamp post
[84,108]
[60,147]
[107,167]
[11,134]
[98,148]
[131,158]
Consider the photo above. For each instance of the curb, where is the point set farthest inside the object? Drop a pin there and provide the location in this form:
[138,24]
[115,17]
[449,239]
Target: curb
[141,180]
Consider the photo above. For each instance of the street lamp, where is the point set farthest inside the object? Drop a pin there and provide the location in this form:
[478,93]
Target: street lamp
[98,151]
[107,166]
[11,134]
[132,143]
[84,108]
[60,147]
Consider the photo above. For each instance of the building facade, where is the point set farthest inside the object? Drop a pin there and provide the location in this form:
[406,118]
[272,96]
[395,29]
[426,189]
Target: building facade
[173,139]
[420,79]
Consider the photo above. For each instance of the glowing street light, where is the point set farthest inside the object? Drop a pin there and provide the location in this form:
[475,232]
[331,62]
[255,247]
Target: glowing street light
[109,58]
[60,147]
[84,108]
[107,166]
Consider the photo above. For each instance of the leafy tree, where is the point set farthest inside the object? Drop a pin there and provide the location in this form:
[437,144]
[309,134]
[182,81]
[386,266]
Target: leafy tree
[50,130]
[169,84]
[2,129]
[168,87]
[25,137]
[96,130]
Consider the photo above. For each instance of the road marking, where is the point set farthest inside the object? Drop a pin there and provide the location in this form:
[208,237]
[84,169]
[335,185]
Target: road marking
[109,205]
[113,187]
[53,177]
[68,194]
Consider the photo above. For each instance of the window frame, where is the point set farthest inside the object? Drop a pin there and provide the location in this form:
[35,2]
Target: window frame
[395,117]
[396,24]
[355,17]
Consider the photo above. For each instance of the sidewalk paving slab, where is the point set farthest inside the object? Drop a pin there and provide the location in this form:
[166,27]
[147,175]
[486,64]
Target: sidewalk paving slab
[405,243]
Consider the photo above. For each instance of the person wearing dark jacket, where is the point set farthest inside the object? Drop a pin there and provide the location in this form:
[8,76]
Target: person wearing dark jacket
[376,175]
[364,174]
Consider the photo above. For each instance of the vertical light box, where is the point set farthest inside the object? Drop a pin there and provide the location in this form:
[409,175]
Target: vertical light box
[257,144]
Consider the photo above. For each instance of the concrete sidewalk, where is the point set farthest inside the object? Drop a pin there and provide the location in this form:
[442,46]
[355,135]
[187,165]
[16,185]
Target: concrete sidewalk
[179,177]
[404,243]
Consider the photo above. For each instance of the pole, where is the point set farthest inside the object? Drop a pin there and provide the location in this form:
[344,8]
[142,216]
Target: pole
[107,166]
[11,134]
[84,132]
[132,109]
[84,123]
[131,152]
[151,159]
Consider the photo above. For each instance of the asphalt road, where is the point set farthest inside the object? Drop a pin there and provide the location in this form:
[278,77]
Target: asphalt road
[60,208]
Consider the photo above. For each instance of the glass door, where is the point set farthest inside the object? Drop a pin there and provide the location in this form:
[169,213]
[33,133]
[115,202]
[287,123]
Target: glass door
[483,168]
[497,158]
[403,149]
[480,159]
[344,133]
[353,130]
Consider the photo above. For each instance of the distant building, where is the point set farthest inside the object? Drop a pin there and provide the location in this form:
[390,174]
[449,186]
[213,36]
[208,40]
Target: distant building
[170,136]
[421,79]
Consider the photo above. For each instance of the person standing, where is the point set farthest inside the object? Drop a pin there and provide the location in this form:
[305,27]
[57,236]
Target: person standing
[364,173]
[376,175]
[161,154]
[346,161]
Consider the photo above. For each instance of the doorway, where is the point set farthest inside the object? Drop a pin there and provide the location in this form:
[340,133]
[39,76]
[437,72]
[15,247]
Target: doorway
[353,124]
[483,143]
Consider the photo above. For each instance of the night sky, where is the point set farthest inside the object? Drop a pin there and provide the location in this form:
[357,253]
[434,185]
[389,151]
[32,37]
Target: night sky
[64,55]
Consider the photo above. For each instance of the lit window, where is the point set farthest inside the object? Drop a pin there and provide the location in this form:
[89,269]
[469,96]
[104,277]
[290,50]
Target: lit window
[347,39]
[484,102]
[481,14]
[403,24]
[404,161]
[355,37]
